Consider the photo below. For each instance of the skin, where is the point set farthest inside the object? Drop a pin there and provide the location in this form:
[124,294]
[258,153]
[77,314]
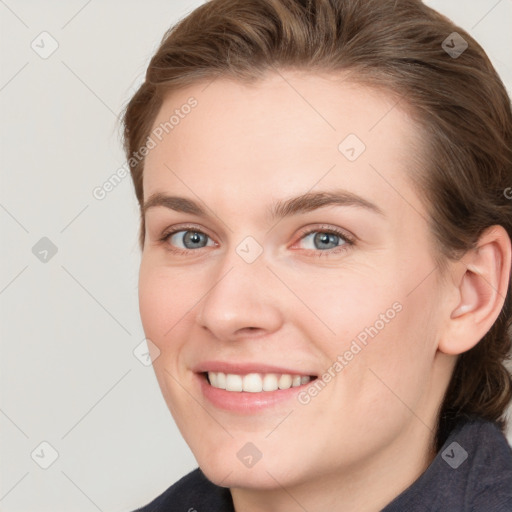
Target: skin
[368,434]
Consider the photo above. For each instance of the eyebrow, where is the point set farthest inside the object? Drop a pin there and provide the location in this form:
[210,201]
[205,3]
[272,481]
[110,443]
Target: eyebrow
[278,210]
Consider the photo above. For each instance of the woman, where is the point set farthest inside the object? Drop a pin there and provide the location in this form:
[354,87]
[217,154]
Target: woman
[326,255]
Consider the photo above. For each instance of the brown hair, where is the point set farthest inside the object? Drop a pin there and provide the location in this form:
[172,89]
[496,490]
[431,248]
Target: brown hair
[458,102]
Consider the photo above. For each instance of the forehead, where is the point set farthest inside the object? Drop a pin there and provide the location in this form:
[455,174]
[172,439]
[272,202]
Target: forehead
[286,132]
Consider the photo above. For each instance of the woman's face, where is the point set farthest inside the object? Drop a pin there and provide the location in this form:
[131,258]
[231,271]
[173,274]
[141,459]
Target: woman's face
[242,279]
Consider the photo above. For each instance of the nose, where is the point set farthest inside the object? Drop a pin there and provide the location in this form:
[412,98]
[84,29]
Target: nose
[241,300]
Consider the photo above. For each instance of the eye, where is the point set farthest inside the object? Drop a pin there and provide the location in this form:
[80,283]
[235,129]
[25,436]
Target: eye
[325,240]
[183,240]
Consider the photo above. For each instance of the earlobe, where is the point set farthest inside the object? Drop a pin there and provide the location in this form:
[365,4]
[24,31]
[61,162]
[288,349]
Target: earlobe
[481,291]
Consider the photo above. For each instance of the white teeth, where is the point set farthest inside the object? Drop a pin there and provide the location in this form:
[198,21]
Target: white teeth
[252,383]
[221,380]
[234,382]
[285,381]
[255,382]
[270,382]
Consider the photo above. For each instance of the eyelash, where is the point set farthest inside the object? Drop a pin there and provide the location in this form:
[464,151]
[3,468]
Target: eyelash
[345,237]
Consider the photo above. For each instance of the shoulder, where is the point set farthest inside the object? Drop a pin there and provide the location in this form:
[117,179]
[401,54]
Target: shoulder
[489,472]
[192,493]
[471,473]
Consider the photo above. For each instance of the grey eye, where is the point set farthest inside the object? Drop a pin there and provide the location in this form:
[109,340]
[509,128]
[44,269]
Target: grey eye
[323,240]
[189,239]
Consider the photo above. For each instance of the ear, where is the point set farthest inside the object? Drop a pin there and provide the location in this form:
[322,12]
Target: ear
[481,279]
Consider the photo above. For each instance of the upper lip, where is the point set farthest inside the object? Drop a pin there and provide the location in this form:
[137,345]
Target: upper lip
[241,368]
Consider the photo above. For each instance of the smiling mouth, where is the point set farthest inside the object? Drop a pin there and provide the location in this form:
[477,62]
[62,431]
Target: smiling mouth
[256,382]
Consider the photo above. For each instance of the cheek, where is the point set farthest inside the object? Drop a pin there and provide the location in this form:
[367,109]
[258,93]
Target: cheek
[345,299]
[385,333]
[166,302]
[166,296]
[153,300]
[398,361]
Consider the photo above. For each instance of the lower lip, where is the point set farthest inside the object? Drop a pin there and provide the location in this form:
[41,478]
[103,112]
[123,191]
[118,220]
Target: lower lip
[244,401]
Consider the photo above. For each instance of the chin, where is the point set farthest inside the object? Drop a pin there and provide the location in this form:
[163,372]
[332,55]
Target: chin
[247,478]
[267,473]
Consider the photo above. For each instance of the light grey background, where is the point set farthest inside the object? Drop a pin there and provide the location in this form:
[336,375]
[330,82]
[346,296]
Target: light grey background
[69,325]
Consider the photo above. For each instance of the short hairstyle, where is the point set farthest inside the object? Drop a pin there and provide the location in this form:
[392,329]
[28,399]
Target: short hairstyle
[457,101]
